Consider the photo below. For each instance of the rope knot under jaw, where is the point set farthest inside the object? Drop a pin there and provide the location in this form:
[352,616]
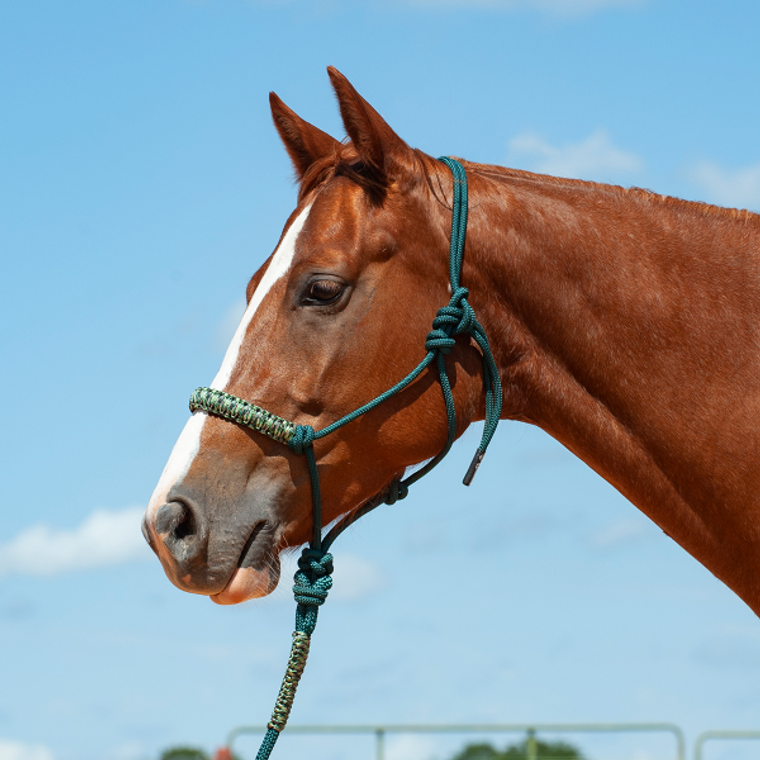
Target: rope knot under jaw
[312,581]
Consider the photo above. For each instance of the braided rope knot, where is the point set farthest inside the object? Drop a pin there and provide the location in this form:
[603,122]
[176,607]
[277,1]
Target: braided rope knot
[302,439]
[312,581]
[464,312]
[438,340]
[456,318]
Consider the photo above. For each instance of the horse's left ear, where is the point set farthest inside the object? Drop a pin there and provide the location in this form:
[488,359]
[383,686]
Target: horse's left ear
[380,149]
[303,141]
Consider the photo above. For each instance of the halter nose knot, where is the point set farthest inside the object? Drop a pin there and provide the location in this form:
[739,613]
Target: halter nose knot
[302,439]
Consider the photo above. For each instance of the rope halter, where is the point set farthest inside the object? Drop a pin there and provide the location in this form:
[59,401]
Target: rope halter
[313,578]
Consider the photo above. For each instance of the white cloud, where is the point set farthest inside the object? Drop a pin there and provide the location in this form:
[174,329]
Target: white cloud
[621,532]
[410,747]
[595,158]
[549,7]
[10,750]
[104,538]
[353,577]
[738,188]
[133,750]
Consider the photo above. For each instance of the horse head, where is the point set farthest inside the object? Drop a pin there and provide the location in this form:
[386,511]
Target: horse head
[337,315]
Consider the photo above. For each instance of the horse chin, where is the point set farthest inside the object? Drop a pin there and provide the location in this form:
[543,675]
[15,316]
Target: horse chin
[248,583]
[257,570]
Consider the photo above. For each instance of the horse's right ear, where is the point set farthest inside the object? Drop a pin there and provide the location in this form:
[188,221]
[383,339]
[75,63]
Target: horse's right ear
[304,142]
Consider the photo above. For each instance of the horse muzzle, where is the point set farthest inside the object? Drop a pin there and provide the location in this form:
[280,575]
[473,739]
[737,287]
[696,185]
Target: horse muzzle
[230,566]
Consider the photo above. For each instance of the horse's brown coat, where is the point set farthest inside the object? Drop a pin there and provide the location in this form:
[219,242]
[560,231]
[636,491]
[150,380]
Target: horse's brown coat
[624,324]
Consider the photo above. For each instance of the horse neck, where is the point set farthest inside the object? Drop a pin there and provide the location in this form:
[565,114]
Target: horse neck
[622,323]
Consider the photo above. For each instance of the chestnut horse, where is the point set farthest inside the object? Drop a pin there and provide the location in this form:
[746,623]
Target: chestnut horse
[623,323]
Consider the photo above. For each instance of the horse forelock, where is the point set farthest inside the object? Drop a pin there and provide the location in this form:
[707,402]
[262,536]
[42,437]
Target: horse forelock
[346,162]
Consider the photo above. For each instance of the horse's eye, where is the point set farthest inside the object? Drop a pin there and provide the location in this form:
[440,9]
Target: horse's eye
[324,291]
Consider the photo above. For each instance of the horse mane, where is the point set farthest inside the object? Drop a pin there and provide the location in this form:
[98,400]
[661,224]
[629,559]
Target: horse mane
[345,162]
[640,194]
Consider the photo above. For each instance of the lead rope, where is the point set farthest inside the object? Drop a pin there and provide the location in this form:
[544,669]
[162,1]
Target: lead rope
[313,579]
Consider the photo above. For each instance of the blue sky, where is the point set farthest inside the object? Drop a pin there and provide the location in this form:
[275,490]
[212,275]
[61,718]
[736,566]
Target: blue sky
[141,184]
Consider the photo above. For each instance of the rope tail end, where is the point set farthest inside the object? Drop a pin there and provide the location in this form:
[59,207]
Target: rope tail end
[473,468]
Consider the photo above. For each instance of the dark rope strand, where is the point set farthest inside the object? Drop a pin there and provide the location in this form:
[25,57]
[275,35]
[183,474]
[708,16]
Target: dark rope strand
[491,377]
[459,209]
[413,375]
[316,499]
[267,744]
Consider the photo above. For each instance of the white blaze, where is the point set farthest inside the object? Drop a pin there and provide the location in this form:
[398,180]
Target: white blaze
[189,440]
[281,261]
[181,458]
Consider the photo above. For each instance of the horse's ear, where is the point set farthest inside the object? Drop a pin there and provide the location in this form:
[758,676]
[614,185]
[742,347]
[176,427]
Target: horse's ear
[303,141]
[380,149]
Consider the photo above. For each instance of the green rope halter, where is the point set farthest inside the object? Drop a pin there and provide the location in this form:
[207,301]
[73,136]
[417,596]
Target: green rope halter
[313,578]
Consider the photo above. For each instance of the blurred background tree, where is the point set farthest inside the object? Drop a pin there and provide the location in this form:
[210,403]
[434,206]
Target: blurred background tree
[194,753]
[528,749]
[184,753]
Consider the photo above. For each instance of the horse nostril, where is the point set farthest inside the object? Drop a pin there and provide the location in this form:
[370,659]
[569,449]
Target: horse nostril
[178,528]
[175,519]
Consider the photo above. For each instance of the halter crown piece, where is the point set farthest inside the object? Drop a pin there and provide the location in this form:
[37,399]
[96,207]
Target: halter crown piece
[312,581]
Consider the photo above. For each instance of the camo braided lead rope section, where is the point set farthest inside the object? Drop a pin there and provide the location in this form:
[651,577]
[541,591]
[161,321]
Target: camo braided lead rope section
[313,579]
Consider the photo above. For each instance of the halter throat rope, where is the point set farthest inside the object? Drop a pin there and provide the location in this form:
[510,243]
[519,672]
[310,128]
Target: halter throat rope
[313,579]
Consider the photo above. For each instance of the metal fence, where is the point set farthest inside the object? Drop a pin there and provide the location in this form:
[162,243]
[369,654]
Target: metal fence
[530,731]
[713,736]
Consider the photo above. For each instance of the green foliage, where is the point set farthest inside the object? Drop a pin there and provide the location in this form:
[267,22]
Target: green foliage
[479,752]
[541,751]
[184,753]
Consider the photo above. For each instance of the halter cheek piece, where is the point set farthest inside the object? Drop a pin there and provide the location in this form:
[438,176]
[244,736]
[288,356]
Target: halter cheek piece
[312,580]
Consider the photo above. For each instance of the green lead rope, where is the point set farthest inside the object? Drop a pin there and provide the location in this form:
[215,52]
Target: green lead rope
[313,579]
[312,582]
